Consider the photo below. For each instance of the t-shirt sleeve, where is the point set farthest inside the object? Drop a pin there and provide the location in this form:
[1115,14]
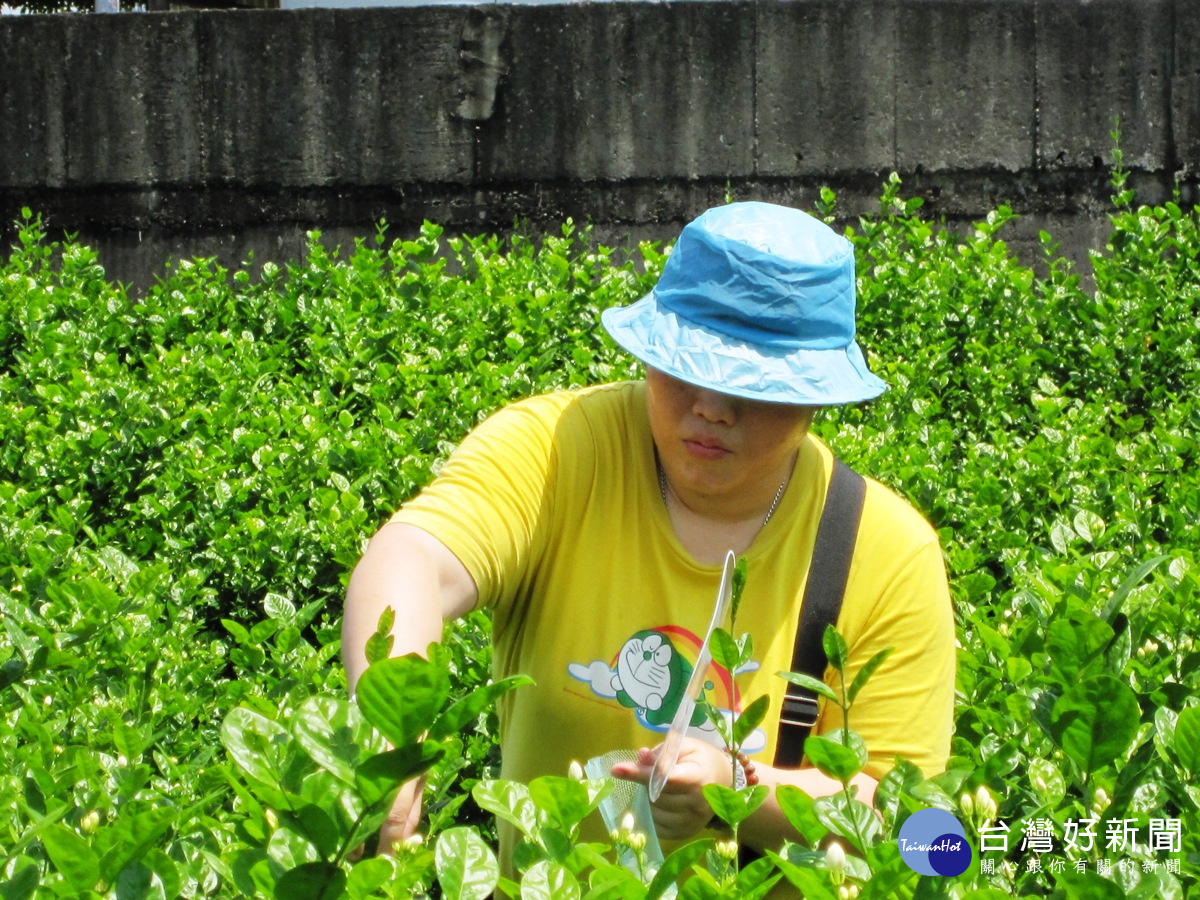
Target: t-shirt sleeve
[906,707]
[490,502]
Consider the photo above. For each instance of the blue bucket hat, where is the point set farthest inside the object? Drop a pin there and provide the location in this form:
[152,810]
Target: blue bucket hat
[756,300]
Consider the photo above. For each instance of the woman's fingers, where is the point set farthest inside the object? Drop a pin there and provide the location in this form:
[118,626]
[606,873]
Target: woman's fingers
[403,818]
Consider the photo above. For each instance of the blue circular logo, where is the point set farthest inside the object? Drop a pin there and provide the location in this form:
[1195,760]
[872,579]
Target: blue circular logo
[933,842]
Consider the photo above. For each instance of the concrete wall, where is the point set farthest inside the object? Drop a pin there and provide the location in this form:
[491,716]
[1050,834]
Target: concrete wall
[167,134]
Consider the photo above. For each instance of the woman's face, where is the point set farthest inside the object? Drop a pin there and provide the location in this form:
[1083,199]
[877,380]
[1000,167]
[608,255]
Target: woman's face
[715,447]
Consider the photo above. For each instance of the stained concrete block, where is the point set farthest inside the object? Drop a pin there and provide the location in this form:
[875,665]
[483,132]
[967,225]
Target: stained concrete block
[131,109]
[1097,61]
[965,85]
[618,90]
[32,131]
[825,79]
[319,97]
[1185,89]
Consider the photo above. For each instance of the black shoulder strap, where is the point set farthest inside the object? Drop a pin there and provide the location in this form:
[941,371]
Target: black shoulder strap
[827,573]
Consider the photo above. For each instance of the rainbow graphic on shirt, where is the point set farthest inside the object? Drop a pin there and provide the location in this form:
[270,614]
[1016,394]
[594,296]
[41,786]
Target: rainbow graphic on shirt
[649,674]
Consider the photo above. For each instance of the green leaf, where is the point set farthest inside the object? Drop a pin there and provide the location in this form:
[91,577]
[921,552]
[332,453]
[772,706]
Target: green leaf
[316,826]
[1132,580]
[565,800]
[311,881]
[466,866]
[849,818]
[739,586]
[1094,721]
[464,712]
[72,857]
[328,728]
[901,778]
[378,776]
[510,801]
[24,881]
[239,631]
[1061,537]
[257,744]
[1087,886]
[725,651]
[833,757]
[379,644]
[139,882]
[750,719]
[812,884]
[675,865]
[1088,525]
[1187,740]
[797,807]
[549,880]
[757,879]
[130,837]
[811,684]
[836,650]
[280,608]
[733,806]
[609,882]
[369,875]
[165,869]
[402,696]
[865,673]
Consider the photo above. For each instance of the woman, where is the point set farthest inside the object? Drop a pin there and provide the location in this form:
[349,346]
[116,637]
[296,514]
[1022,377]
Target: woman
[593,524]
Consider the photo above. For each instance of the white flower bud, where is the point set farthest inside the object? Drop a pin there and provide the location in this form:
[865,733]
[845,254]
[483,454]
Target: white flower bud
[637,842]
[575,771]
[985,803]
[413,842]
[966,803]
[90,821]
[727,849]
[1100,800]
[835,862]
[628,823]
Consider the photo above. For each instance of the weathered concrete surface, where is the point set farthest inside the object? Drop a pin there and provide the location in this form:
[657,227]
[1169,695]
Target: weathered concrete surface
[825,88]
[1100,61]
[223,133]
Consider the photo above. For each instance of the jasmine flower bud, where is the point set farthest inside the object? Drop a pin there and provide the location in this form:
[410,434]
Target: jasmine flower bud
[628,823]
[90,821]
[835,862]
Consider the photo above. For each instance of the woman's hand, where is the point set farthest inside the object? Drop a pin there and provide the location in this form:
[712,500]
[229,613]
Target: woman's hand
[401,823]
[403,818]
[681,812]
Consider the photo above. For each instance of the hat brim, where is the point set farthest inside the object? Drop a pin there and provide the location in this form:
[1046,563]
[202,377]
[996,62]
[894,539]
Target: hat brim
[665,341]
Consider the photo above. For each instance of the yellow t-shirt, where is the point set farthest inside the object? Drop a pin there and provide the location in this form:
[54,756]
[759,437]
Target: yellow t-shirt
[553,506]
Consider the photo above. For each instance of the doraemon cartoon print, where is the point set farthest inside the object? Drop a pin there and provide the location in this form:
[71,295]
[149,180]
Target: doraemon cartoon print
[649,674]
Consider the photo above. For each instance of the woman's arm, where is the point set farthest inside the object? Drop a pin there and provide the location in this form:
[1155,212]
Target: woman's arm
[419,578]
[425,584]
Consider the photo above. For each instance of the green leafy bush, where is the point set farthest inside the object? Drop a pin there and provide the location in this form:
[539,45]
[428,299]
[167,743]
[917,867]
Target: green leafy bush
[187,478]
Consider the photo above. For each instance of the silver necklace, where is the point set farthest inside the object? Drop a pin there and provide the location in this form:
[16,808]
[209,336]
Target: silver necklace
[662,489]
